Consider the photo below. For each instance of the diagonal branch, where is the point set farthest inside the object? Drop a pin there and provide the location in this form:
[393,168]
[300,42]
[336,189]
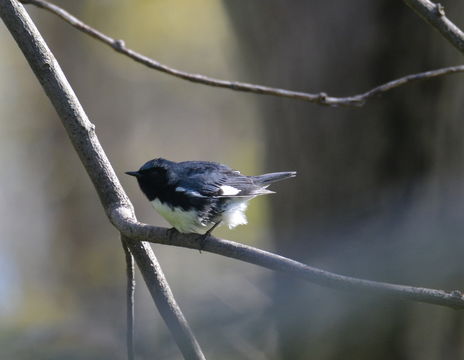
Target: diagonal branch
[434,14]
[319,98]
[144,232]
[164,300]
[82,135]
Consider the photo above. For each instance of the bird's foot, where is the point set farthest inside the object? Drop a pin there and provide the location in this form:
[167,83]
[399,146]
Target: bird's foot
[202,241]
[202,238]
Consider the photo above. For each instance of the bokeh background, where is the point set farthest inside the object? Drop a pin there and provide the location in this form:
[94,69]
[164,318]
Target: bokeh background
[379,192]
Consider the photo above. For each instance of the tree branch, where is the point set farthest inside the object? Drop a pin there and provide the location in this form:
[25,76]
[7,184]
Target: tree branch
[434,14]
[320,98]
[85,141]
[154,234]
[130,292]
[164,300]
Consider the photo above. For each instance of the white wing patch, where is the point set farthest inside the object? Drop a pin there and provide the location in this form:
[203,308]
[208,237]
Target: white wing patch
[229,190]
[189,192]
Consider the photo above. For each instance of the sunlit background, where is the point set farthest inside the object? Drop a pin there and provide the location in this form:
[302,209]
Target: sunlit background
[379,193]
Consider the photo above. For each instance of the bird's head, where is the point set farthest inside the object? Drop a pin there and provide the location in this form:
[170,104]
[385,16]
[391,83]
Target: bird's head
[152,176]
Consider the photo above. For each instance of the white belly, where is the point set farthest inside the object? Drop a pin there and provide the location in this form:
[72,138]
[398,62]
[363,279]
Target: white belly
[189,222]
[183,221]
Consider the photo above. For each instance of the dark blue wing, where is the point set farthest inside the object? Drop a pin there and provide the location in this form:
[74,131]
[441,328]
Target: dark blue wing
[209,179]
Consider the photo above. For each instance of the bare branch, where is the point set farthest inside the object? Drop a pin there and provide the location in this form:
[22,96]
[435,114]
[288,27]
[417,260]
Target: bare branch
[409,79]
[85,141]
[434,14]
[130,292]
[144,232]
[320,98]
[164,300]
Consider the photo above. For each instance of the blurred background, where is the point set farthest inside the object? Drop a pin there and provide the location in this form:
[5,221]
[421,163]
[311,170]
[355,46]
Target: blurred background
[379,193]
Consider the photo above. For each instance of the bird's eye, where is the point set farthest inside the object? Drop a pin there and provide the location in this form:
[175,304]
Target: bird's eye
[156,174]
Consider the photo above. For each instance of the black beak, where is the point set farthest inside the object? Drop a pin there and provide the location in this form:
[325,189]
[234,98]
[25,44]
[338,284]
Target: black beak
[133,173]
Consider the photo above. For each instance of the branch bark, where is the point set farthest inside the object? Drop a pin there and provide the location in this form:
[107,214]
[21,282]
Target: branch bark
[143,232]
[130,297]
[434,14]
[82,135]
[319,98]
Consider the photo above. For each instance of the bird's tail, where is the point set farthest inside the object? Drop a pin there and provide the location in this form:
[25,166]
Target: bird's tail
[267,179]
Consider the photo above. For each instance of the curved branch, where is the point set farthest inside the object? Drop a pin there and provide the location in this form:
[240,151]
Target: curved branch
[82,134]
[434,14]
[320,98]
[154,234]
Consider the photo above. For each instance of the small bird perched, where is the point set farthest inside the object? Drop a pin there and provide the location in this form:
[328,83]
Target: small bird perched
[197,196]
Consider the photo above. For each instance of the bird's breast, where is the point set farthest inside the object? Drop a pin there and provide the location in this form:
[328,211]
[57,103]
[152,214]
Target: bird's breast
[185,221]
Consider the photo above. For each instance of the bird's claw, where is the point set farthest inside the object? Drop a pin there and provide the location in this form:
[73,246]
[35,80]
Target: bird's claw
[202,241]
[202,238]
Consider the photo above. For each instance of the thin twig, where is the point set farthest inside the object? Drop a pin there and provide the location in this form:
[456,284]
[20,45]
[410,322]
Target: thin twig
[130,293]
[434,14]
[139,231]
[84,139]
[320,98]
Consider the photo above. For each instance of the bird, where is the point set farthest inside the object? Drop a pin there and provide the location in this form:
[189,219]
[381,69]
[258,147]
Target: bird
[198,196]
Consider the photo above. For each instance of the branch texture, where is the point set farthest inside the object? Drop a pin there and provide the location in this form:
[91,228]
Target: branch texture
[434,14]
[143,232]
[130,297]
[83,137]
[320,98]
